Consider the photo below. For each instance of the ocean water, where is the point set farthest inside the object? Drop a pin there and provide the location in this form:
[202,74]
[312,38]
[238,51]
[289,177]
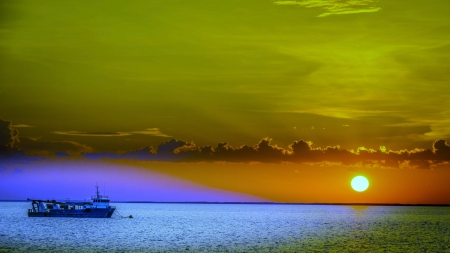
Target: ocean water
[231,228]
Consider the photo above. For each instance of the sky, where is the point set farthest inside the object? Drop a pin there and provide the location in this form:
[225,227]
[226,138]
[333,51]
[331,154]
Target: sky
[207,100]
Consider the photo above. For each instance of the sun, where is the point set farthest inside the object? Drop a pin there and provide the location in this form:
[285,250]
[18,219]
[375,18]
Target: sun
[360,183]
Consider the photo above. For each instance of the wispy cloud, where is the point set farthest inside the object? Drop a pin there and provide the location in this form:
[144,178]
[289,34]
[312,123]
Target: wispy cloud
[21,125]
[148,131]
[335,6]
[49,148]
[102,134]
[151,131]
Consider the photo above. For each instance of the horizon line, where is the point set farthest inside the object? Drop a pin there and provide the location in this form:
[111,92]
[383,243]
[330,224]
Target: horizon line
[264,203]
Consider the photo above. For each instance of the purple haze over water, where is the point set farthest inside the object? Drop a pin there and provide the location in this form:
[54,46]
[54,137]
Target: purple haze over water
[77,179]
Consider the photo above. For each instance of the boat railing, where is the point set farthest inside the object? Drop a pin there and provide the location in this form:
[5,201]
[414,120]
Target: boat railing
[100,197]
[37,211]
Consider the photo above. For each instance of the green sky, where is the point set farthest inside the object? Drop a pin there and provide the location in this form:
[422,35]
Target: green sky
[121,75]
[92,83]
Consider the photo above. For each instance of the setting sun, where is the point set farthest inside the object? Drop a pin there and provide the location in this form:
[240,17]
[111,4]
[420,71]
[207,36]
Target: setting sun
[360,183]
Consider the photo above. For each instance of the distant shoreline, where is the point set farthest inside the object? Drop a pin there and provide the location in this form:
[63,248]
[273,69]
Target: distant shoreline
[264,203]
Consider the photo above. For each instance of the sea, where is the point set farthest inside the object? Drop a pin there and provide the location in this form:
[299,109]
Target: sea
[205,227]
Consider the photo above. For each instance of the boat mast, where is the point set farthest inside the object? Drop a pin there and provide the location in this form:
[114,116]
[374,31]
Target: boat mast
[98,193]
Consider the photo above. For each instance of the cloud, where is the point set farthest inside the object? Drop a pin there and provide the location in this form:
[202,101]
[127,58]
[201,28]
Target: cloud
[102,134]
[441,149]
[151,131]
[50,148]
[264,151]
[420,164]
[9,137]
[20,125]
[335,7]
[425,77]
[300,152]
[166,151]
[148,131]
[303,152]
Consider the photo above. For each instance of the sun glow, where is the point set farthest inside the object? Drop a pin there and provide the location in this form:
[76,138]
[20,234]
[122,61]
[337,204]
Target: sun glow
[360,183]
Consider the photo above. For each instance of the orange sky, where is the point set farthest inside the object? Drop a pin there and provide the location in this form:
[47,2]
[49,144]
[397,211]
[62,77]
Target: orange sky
[315,184]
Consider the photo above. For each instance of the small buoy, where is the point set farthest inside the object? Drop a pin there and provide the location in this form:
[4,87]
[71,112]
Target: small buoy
[131,216]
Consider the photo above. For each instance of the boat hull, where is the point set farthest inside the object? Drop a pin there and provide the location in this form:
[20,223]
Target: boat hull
[79,213]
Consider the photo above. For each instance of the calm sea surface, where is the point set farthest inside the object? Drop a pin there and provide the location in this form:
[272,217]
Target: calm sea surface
[231,228]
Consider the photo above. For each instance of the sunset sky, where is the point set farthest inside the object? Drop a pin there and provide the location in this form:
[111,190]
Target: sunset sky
[237,100]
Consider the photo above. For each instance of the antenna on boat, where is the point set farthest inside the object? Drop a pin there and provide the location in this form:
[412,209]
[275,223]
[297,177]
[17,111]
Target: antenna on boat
[98,193]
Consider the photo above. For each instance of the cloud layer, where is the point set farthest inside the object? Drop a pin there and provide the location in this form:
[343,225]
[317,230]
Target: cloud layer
[298,152]
[335,7]
[264,151]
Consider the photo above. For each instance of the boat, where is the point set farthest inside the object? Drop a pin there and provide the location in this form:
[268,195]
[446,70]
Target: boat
[97,207]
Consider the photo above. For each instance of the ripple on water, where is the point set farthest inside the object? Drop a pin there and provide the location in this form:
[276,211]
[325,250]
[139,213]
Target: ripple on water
[231,227]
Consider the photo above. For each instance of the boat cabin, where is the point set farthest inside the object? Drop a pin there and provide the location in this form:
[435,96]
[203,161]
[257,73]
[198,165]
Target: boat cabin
[100,201]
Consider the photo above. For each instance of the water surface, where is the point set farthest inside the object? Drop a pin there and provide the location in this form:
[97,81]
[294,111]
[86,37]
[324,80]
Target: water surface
[231,228]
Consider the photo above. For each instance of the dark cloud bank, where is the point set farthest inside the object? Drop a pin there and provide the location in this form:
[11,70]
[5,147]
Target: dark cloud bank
[264,152]
[298,152]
